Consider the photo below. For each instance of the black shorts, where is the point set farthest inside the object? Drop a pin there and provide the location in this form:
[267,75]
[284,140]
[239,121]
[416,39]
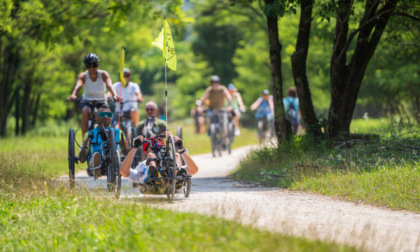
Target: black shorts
[92,104]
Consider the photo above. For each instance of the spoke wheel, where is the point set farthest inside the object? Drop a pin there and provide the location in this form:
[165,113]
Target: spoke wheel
[111,153]
[187,187]
[179,134]
[116,167]
[170,153]
[214,140]
[71,159]
[230,136]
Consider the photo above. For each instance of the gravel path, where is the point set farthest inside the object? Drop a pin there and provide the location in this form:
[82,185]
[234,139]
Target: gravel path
[295,213]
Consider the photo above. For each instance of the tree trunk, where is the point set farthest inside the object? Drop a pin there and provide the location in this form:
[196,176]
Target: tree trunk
[8,65]
[26,107]
[281,126]
[346,79]
[298,60]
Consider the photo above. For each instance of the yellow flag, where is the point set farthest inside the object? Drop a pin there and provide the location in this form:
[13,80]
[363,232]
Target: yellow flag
[165,43]
[123,82]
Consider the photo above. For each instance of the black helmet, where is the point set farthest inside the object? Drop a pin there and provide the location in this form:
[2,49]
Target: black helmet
[91,60]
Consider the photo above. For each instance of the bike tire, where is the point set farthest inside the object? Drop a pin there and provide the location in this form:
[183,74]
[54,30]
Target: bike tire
[187,188]
[111,167]
[260,126]
[231,135]
[117,165]
[179,134]
[71,159]
[213,138]
[170,152]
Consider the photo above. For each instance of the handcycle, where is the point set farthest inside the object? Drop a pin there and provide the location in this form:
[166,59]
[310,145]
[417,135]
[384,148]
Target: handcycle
[170,182]
[110,158]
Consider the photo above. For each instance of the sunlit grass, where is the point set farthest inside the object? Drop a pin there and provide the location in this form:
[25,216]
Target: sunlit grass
[382,173]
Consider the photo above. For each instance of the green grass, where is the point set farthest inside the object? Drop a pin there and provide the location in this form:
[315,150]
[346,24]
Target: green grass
[383,173]
[64,222]
[38,214]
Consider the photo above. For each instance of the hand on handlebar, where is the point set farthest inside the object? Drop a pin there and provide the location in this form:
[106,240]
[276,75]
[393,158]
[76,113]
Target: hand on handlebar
[72,98]
[138,141]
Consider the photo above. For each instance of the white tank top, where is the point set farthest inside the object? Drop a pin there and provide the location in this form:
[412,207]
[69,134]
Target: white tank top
[94,89]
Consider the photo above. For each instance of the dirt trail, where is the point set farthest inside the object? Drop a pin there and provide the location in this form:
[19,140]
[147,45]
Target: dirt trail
[295,213]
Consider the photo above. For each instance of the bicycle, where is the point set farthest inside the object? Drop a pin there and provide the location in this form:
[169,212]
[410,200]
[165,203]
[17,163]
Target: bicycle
[265,129]
[216,134]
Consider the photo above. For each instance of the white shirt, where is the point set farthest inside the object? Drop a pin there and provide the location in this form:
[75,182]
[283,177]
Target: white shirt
[139,174]
[94,89]
[128,93]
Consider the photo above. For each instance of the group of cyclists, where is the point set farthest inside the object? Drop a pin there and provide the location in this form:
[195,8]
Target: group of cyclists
[226,103]
[95,83]
[223,103]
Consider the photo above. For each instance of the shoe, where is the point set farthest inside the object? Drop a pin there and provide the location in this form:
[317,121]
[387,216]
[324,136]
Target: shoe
[237,132]
[182,172]
[224,147]
[153,172]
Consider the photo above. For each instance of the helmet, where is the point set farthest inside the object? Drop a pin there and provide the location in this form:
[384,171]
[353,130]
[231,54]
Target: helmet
[215,78]
[198,102]
[91,60]
[155,144]
[126,70]
[265,92]
[231,86]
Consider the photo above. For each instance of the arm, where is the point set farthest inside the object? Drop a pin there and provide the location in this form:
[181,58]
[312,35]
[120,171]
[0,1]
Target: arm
[190,165]
[124,144]
[227,95]
[84,152]
[138,93]
[79,83]
[205,95]
[240,101]
[125,167]
[107,79]
[255,105]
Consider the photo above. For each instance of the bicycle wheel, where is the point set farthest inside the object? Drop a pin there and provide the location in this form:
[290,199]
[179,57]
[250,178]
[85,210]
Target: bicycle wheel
[260,131]
[111,160]
[179,134]
[170,153]
[187,188]
[116,169]
[231,135]
[71,158]
[213,138]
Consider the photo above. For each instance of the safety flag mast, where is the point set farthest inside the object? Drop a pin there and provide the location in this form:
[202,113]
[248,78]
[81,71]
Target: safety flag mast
[165,43]
[122,82]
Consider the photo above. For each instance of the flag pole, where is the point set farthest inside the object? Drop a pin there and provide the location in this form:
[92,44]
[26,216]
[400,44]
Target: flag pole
[166,75]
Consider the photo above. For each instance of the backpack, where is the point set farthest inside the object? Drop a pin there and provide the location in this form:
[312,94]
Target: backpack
[291,113]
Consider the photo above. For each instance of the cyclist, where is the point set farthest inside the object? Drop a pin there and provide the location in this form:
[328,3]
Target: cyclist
[291,105]
[92,142]
[131,95]
[265,108]
[237,107]
[95,82]
[217,94]
[198,114]
[151,126]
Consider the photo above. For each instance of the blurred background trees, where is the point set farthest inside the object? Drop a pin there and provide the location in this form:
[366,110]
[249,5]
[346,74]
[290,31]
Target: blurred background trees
[43,42]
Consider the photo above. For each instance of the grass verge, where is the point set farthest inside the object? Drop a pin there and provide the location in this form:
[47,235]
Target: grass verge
[36,214]
[384,173]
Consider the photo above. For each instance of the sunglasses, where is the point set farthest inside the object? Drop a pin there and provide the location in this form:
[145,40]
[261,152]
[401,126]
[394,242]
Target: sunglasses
[150,109]
[92,66]
[105,114]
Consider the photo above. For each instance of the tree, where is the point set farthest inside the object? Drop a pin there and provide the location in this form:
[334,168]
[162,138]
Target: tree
[298,59]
